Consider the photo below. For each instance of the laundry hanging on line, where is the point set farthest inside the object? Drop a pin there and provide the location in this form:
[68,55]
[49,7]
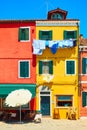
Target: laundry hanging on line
[40,45]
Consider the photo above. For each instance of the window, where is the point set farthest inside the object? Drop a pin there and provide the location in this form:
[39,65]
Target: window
[45,67]
[70,34]
[24,69]
[84,65]
[24,34]
[70,67]
[64,100]
[56,16]
[84,99]
[45,35]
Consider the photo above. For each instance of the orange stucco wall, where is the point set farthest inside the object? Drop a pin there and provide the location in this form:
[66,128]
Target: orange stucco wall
[12,50]
[82,86]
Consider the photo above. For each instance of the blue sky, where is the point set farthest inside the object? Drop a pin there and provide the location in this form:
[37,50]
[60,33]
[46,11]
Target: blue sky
[37,9]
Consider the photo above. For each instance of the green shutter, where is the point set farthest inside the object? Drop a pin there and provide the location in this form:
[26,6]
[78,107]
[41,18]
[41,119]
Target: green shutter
[70,34]
[84,65]
[40,67]
[19,34]
[75,34]
[40,35]
[23,34]
[50,67]
[83,99]
[24,69]
[68,67]
[65,35]
[72,67]
[26,33]
[50,35]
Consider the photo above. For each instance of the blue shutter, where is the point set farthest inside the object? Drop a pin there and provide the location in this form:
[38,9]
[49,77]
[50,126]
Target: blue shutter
[84,65]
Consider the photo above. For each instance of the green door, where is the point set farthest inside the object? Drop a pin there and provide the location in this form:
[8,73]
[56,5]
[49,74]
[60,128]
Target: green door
[45,105]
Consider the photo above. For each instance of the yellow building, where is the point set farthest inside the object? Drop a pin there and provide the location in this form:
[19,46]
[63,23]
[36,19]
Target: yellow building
[56,49]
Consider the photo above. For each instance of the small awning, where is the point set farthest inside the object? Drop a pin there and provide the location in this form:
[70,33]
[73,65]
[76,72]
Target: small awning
[5,89]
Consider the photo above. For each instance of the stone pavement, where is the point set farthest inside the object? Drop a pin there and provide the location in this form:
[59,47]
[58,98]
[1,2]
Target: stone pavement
[47,124]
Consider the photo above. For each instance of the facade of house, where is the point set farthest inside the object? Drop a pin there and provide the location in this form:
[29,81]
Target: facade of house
[56,50]
[83,76]
[17,63]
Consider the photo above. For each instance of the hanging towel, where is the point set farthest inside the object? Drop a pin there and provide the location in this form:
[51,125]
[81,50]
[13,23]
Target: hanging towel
[36,44]
[42,44]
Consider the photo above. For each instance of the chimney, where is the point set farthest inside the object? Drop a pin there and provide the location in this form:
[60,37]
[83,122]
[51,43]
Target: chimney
[81,39]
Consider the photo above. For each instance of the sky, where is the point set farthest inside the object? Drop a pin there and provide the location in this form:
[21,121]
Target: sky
[37,9]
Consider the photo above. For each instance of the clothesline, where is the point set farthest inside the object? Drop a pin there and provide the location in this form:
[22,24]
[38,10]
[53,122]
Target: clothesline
[40,45]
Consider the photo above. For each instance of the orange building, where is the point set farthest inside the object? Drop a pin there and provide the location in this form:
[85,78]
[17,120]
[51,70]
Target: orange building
[83,76]
[17,63]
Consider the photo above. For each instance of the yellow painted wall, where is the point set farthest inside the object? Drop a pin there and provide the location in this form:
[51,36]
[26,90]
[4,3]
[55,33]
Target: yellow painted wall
[61,83]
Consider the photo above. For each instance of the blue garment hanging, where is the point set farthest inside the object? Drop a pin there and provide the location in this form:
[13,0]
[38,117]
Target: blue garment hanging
[54,48]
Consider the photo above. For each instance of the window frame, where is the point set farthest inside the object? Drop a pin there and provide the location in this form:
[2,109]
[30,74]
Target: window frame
[66,67]
[19,69]
[56,101]
[29,34]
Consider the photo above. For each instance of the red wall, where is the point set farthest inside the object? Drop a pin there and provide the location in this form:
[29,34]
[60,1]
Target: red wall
[11,51]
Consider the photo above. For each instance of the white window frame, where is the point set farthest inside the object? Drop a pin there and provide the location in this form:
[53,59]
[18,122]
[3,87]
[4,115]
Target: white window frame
[19,68]
[29,34]
[66,65]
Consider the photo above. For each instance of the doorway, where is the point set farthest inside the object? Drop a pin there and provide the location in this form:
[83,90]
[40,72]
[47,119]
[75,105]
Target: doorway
[45,101]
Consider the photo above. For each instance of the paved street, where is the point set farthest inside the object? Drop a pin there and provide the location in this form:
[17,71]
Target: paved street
[47,124]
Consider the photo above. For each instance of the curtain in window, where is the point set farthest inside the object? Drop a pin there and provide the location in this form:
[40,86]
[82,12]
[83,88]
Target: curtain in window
[50,65]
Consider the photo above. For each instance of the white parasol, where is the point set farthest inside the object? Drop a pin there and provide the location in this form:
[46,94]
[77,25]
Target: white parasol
[18,98]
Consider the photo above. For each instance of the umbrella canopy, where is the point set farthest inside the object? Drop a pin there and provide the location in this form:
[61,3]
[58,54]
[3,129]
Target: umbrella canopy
[18,98]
